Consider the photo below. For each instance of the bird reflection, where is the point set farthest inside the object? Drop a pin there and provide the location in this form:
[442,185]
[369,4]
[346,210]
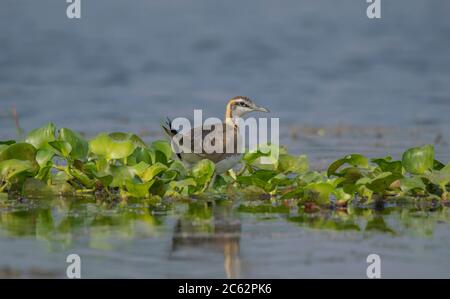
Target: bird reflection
[211,225]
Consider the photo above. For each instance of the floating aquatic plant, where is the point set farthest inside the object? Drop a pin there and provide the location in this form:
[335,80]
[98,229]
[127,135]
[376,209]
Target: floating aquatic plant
[121,164]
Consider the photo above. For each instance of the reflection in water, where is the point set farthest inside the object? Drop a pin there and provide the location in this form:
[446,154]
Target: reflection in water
[134,230]
[66,223]
[211,225]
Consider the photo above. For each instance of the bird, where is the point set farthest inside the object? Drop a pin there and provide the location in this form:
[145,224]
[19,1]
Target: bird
[228,139]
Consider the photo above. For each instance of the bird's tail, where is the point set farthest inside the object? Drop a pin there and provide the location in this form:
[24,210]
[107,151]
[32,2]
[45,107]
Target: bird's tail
[167,127]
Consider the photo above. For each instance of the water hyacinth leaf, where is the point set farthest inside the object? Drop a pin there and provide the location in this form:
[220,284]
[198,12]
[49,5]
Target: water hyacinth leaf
[121,174]
[62,147]
[105,180]
[203,171]
[351,175]
[280,180]
[80,147]
[355,160]
[176,171]
[265,157]
[319,192]
[438,165]
[440,178]
[139,168]
[250,157]
[288,163]
[409,184]
[120,136]
[3,147]
[260,178]
[140,155]
[43,156]
[81,177]
[138,190]
[44,173]
[382,181]
[162,151]
[104,145]
[341,196]
[263,174]
[418,160]
[151,172]
[5,144]
[178,166]
[446,168]
[387,165]
[253,181]
[40,137]
[310,177]
[9,169]
[180,188]
[19,151]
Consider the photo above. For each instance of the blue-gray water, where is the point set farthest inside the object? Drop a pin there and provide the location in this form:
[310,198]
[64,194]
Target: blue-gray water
[374,86]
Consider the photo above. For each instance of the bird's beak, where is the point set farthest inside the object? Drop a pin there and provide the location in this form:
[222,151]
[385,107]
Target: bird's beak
[262,109]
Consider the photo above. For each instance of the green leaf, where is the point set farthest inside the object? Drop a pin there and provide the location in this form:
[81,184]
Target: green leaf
[440,178]
[106,146]
[40,138]
[177,188]
[138,190]
[381,182]
[355,160]
[260,178]
[438,165]
[203,171]
[141,155]
[121,174]
[288,163]
[81,177]
[7,142]
[80,147]
[265,157]
[43,156]
[62,147]
[419,159]
[342,196]
[319,192]
[411,184]
[12,168]
[446,168]
[162,151]
[387,165]
[120,136]
[152,172]
[19,151]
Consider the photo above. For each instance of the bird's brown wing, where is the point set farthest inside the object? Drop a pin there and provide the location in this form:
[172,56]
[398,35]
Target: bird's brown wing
[215,143]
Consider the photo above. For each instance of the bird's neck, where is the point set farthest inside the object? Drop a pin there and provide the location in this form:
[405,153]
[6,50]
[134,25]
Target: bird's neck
[230,117]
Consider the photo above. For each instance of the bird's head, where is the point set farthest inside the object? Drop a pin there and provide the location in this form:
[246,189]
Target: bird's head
[238,106]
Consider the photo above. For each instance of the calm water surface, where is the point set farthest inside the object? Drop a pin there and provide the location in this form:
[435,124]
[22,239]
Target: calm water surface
[339,83]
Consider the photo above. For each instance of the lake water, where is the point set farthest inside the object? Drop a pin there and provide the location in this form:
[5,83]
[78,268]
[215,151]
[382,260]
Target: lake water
[339,82]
